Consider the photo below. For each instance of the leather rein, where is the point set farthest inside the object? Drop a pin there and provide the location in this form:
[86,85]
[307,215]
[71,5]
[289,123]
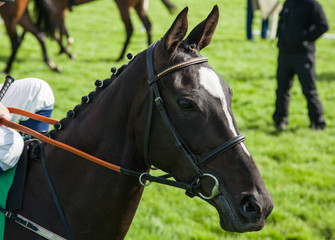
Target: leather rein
[141,176]
[195,164]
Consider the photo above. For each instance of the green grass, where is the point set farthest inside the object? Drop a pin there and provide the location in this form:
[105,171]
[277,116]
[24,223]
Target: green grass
[297,165]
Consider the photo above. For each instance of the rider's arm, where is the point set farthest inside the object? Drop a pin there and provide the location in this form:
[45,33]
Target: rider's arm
[4,113]
[11,147]
[11,143]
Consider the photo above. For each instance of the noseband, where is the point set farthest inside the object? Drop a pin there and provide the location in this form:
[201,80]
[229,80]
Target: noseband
[194,163]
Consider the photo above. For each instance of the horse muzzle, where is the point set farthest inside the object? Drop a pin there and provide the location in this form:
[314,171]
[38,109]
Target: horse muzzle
[247,213]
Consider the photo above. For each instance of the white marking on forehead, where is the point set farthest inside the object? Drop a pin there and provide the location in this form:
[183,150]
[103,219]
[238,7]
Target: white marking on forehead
[211,82]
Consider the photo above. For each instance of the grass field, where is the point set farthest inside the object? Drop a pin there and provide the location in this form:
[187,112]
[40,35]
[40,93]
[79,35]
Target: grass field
[298,165]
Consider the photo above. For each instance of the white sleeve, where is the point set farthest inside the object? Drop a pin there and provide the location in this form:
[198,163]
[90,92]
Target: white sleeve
[29,94]
[11,147]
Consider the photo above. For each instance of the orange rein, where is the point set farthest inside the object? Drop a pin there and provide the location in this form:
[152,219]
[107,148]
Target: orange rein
[53,142]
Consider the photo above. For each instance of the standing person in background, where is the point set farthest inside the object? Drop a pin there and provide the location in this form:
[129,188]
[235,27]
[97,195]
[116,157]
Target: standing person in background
[301,23]
[268,8]
[252,5]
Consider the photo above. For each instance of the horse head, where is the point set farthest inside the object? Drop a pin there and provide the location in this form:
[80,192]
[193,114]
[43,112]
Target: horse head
[194,135]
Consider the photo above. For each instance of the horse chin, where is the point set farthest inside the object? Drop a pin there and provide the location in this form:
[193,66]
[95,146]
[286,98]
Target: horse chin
[229,220]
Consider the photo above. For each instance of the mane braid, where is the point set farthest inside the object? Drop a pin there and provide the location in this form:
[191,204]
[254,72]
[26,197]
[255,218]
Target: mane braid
[100,85]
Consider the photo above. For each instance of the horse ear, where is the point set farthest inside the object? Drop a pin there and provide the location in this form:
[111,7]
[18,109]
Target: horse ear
[202,34]
[175,34]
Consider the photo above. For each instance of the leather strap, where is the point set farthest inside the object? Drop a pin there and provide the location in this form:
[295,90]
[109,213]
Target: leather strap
[155,94]
[32,115]
[14,217]
[146,176]
[53,142]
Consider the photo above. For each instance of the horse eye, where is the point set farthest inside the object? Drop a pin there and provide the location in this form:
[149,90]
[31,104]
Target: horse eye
[185,104]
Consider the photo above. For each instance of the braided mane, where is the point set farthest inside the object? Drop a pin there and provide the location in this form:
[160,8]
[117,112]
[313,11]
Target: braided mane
[85,100]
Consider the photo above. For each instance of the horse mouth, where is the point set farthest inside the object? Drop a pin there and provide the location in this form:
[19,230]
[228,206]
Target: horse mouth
[230,219]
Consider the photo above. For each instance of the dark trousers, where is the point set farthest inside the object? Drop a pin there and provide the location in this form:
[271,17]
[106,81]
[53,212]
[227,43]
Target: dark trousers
[250,16]
[304,66]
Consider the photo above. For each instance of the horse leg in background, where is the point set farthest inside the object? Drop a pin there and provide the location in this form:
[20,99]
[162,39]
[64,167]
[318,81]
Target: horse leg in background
[11,14]
[124,11]
[63,31]
[59,40]
[15,43]
[144,18]
[69,40]
[28,26]
[171,7]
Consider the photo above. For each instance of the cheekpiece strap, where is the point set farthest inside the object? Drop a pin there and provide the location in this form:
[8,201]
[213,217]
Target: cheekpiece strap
[150,62]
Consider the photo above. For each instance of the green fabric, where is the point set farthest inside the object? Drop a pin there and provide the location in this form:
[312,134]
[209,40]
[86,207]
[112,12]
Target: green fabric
[6,180]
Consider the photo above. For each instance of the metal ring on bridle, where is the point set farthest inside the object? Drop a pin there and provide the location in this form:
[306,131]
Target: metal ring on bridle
[215,190]
[141,182]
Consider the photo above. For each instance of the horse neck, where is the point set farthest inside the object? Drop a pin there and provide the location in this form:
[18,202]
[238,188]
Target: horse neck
[106,126]
[106,129]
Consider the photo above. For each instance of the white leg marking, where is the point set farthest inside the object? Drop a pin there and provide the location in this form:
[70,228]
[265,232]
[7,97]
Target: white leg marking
[146,5]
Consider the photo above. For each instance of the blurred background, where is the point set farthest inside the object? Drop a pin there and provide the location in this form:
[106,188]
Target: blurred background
[297,165]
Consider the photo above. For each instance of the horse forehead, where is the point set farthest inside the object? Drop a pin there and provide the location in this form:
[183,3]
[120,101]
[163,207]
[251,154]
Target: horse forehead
[210,81]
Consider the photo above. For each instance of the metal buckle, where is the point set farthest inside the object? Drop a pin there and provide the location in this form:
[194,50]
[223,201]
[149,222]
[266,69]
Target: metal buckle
[140,179]
[215,190]
[8,214]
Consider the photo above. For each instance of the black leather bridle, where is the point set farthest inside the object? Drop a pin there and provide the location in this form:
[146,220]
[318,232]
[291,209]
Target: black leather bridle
[194,163]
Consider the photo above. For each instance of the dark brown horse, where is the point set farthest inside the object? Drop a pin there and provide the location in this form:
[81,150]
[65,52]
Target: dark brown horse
[192,135]
[16,13]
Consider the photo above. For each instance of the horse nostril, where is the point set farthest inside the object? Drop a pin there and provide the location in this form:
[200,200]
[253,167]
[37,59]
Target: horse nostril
[250,208]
